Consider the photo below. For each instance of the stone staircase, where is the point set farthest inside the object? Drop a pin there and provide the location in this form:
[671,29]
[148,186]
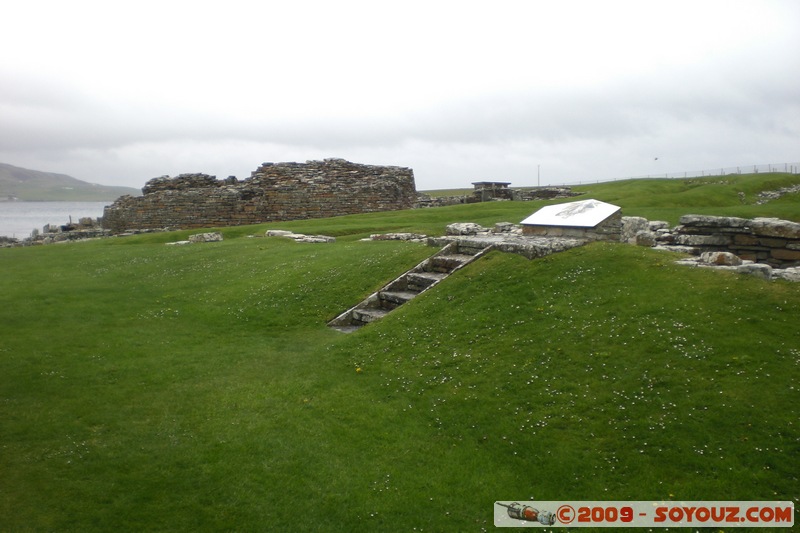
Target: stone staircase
[419,279]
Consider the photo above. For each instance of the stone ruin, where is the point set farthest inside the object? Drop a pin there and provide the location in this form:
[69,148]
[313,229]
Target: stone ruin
[495,191]
[274,192]
[768,241]
[765,247]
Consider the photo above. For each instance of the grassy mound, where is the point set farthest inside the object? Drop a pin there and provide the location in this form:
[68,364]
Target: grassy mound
[147,387]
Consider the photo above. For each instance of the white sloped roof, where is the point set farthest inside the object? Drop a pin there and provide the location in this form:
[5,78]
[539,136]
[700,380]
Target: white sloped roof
[582,214]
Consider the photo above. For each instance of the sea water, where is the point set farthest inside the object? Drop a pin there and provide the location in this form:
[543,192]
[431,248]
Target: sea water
[19,219]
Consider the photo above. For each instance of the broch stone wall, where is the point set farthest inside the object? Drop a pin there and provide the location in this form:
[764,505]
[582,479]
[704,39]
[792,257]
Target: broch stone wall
[274,192]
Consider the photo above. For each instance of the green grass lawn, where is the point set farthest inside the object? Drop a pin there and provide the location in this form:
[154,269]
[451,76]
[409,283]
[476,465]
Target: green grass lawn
[669,199]
[197,388]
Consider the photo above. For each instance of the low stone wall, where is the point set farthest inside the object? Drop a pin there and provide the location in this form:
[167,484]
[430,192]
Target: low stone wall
[85,228]
[505,237]
[764,240]
[769,241]
[544,193]
[424,200]
[480,195]
[274,192]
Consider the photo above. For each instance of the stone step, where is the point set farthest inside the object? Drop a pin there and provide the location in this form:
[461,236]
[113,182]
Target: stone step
[365,316]
[394,299]
[446,263]
[470,248]
[402,290]
[460,257]
[419,281]
[347,329]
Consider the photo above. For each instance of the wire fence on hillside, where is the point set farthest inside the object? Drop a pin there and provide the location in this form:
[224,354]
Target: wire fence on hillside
[791,168]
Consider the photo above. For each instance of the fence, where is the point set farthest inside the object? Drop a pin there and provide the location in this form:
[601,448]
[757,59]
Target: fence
[791,168]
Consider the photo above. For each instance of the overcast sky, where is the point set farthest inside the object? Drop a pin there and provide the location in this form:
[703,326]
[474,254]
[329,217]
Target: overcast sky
[120,92]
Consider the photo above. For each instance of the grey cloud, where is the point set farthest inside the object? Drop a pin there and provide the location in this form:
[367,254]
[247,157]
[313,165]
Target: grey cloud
[604,131]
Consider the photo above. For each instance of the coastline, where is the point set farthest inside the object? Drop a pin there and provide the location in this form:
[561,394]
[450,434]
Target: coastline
[20,218]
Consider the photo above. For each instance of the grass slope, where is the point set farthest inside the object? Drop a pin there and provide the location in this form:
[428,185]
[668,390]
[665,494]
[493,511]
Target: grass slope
[733,195]
[147,387]
[669,199]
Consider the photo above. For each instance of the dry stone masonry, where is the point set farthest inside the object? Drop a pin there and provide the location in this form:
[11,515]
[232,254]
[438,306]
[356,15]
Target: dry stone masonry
[486,192]
[199,238]
[274,192]
[776,239]
[764,247]
[770,241]
[300,237]
[85,228]
[505,237]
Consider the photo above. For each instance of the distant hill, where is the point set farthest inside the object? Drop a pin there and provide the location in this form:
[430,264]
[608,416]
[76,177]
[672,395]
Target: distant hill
[33,185]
